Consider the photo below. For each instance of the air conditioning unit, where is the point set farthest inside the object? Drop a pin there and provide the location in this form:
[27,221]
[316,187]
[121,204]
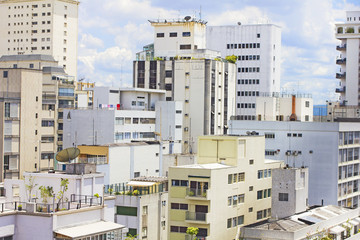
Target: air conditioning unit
[288,153]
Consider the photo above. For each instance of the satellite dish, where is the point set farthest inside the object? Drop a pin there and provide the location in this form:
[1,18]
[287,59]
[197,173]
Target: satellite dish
[67,154]
[187,18]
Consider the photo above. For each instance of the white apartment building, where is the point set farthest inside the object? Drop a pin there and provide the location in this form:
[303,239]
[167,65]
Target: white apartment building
[349,35]
[330,150]
[83,212]
[121,162]
[47,27]
[124,115]
[191,74]
[283,107]
[258,51]
[228,187]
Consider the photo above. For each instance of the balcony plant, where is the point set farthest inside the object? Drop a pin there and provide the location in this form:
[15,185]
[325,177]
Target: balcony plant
[96,195]
[191,193]
[136,192]
[192,231]
[231,59]
[19,207]
[110,191]
[64,185]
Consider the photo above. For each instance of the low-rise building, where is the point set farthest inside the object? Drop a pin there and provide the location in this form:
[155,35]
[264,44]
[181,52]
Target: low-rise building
[328,221]
[141,205]
[228,187]
[59,206]
[284,107]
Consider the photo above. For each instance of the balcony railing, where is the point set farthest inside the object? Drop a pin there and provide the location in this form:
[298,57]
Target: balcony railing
[340,90]
[341,47]
[196,216]
[190,237]
[195,192]
[340,75]
[341,61]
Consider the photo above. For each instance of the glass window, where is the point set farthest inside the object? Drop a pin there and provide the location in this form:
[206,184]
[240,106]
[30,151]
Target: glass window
[229,223]
[260,194]
[241,198]
[240,220]
[119,121]
[259,215]
[241,177]
[283,197]
[230,179]
[186,34]
[229,201]
[260,174]
[235,199]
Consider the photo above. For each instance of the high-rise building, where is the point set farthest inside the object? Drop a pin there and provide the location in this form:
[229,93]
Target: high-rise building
[349,35]
[41,27]
[329,149]
[258,51]
[192,74]
[41,91]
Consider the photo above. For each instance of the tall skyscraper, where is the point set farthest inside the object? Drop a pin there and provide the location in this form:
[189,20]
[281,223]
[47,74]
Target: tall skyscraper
[189,73]
[258,51]
[349,35]
[47,27]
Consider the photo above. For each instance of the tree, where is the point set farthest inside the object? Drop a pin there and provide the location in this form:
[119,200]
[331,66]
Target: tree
[29,187]
[45,193]
[64,185]
[231,59]
[192,231]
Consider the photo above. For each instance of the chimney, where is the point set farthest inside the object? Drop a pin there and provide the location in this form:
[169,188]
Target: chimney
[293,115]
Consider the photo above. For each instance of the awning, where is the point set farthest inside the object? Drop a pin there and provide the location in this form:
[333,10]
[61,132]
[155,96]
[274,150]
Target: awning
[7,230]
[337,230]
[140,184]
[87,230]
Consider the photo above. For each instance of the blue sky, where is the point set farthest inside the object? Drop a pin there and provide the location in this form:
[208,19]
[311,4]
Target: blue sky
[112,32]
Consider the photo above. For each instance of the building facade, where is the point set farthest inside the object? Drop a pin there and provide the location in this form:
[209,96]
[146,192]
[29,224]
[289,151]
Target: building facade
[330,151]
[229,187]
[257,48]
[349,35]
[47,101]
[48,27]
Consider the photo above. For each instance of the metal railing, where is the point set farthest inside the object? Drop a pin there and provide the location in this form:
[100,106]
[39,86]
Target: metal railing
[195,192]
[123,189]
[195,216]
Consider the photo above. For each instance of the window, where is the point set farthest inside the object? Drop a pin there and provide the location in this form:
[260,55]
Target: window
[179,206]
[186,34]
[251,161]
[5,74]
[306,118]
[230,179]
[7,109]
[31,65]
[283,197]
[269,135]
[47,123]
[241,177]
[241,198]
[126,211]
[173,34]
[251,188]
[185,46]
[229,223]
[259,215]
[259,194]
[260,174]
[229,200]
[160,35]
[250,209]
[136,174]
[240,220]
[307,104]
[235,198]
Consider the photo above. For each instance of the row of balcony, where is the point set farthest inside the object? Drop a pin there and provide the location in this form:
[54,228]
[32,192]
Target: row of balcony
[341,47]
[340,75]
[340,90]
[341,61]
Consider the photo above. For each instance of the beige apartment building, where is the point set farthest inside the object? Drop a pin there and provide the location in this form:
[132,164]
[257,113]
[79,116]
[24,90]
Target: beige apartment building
[229,186]
[41,27]
[34,92]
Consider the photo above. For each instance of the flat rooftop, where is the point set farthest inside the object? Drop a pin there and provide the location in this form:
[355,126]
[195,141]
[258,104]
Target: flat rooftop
[302,220]
[205,166]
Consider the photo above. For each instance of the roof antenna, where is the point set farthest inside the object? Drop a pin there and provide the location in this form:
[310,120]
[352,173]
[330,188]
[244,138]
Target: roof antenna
[200,13]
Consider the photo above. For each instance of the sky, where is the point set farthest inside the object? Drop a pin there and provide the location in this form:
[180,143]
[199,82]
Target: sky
[112,32]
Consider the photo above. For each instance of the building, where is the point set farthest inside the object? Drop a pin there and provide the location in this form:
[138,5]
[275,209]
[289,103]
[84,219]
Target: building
[348,59]
[84,95]
[192,74]
[124,115]
[141,205]
[258,51]
[20,98]
[289,191]
[283,107]
[80,211]
[228,187]
[330,150]
[328,221]
[42,109]
[41,27]
[121,162]
[335,111]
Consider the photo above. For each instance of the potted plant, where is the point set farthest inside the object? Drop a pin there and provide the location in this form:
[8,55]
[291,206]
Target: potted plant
[19,207]
[96,195]
[111,191]
[135,192]
[191,193]
[39,209]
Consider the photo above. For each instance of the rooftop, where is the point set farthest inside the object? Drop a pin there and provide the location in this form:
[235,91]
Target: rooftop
[205,166]
[187,19]
[302,220]
[30,57]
